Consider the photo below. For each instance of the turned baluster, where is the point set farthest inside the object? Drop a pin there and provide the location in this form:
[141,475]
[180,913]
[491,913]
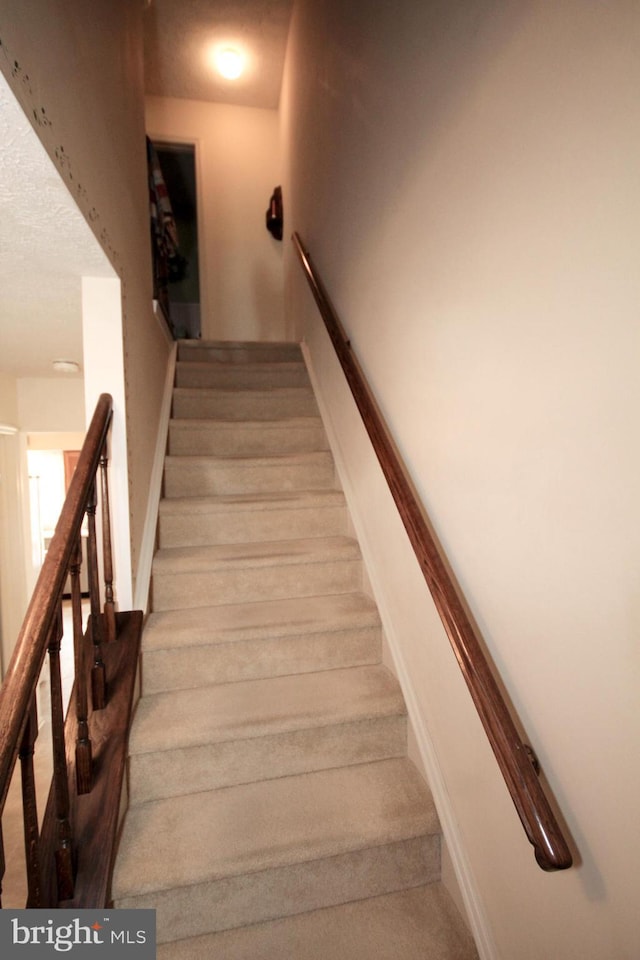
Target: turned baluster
[83,741]
[98,678]
[30,809]
[64,849]
[109,607]
[3,865]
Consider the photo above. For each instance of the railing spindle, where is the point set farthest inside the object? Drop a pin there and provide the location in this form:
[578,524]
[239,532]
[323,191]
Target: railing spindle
[64,851]
[98,677]
[30,809]
[3,865]
[109,607]
[83,741]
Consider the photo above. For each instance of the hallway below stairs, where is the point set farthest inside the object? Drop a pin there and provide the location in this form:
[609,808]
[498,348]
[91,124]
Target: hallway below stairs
[273,810]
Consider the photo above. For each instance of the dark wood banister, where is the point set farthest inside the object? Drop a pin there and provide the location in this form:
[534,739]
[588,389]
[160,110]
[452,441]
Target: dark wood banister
[24,668]
[69,857]
[515,758]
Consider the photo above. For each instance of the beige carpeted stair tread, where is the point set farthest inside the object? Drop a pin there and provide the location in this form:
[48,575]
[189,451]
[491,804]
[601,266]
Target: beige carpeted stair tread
[210,645]
[233,352]
[193,521]
[218,736]
[238,391]
[275,461]
[417,924]
[203,837]
[186,476]
[228,438]
[267,620]
[252,374]
[233,556]
[228,403]
[248,575]
[258,708]
[256,503]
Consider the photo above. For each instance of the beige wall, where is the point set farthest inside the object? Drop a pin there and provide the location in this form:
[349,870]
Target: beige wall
[49,405]
[12,588]
[13,592]
[8,400]
[79,79]
[237,167]
[466,178]
[39,405]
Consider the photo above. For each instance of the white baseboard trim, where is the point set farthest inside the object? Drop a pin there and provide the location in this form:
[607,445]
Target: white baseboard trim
[143,579]
[476,915]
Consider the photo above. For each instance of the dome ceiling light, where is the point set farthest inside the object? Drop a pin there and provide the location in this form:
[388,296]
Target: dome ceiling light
[65,366]
[229,62]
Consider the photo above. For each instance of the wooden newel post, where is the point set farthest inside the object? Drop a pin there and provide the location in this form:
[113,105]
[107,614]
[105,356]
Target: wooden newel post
[98,677]
[64,847]
[30,809]
[109,607]
[83,742]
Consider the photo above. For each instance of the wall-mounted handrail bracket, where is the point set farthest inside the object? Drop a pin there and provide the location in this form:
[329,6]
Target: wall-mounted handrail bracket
[535,763]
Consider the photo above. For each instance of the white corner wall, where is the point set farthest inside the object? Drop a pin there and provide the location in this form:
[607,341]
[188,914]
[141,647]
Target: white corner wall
[466,179]
[13,596]
[104,373]
[237,167]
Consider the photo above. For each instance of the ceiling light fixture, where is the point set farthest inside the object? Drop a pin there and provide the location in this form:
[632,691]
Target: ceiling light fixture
[65,366]
[229,62]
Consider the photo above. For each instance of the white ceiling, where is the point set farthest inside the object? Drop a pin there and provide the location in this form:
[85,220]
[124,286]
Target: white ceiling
[46,246]
[180,33]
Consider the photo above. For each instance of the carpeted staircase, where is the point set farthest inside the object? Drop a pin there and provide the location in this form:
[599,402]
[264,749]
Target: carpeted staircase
[273,811]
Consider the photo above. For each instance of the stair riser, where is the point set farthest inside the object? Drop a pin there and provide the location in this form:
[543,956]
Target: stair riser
[202,478]
[250,526]
[173,591]
[417,924]
[246,440]
[171,773]
[230,354]
[190,667]
[286,891]
[249,405]
[241,376]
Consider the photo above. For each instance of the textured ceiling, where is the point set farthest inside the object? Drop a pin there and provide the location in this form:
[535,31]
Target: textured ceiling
[180,33]
[46,246]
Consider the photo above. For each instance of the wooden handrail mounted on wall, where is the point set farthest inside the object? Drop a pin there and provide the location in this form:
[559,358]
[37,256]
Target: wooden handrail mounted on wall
[515,758]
